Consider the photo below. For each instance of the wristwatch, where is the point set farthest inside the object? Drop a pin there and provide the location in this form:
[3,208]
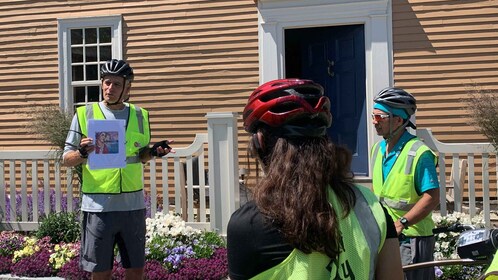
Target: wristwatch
[404,222]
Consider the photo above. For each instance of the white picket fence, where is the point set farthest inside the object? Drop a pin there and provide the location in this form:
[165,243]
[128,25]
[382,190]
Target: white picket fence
[476,154]
[35,183]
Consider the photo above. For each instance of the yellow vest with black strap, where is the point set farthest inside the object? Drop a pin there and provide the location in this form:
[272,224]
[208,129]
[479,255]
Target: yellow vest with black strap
[363,234]
[117,180]
[398,192]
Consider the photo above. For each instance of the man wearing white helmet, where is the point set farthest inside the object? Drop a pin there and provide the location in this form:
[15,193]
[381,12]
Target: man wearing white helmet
[404,178]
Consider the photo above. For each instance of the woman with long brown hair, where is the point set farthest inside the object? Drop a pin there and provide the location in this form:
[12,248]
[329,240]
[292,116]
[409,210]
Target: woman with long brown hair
[308,220]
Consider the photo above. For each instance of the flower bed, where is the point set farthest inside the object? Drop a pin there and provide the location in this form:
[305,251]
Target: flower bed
[446,247]
[173,251]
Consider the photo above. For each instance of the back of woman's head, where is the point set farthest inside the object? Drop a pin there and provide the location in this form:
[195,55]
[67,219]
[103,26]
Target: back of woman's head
[288,120]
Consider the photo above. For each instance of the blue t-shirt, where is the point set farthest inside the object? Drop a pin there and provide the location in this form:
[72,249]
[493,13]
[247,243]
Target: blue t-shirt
[425,172]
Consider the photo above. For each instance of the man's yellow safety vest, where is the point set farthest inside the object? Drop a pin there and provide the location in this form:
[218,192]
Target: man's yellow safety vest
[398,192]
[117,180]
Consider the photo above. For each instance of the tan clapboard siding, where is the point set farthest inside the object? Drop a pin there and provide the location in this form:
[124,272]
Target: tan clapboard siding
[439,48]
[191,57]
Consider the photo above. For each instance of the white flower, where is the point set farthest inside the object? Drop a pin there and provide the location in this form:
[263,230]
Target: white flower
[167,224]
[438,256]
[437,218]
[445,246]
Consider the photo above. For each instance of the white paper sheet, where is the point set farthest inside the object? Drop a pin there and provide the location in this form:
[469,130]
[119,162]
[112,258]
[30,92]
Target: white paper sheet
[109,141]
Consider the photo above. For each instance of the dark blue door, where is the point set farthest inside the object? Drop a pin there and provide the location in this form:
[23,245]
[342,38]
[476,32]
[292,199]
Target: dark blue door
[335,58]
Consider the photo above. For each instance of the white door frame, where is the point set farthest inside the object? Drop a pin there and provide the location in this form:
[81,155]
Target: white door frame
[274,16]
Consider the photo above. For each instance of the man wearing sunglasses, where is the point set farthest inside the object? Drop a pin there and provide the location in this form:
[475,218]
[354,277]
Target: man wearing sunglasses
[404,177]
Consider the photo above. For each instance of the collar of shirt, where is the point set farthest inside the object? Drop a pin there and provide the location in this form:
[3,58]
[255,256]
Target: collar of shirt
[389,160]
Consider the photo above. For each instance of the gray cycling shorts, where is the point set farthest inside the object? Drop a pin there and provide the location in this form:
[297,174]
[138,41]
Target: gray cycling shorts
[101,231]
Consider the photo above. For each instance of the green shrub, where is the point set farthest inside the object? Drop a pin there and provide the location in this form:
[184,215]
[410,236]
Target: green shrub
[60,227]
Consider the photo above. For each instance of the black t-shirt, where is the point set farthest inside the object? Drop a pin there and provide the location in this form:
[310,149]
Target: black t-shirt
[255,246]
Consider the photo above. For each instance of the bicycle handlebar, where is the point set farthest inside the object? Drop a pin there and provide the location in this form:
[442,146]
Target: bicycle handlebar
[414,266]
[456,227]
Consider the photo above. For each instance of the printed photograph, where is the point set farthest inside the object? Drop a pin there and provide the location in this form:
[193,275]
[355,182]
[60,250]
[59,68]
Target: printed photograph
[106,142]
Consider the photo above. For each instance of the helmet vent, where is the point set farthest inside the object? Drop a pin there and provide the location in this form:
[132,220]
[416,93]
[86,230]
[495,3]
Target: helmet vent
[275,95]
[285,107]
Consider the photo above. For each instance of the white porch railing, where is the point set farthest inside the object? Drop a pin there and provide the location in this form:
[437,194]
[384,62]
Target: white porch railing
[30,180]
[223,177]
[475,153]
[34,182]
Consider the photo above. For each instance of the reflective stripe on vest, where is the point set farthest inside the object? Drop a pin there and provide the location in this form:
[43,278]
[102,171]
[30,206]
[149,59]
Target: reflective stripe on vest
[398,205]
[411,156]
[363,235]
[365,215]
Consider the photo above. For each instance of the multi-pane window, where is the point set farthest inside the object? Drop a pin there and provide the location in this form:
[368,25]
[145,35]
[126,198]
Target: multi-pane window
[89,48]
[87,44]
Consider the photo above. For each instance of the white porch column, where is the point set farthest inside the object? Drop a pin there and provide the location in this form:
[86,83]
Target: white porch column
[223,168]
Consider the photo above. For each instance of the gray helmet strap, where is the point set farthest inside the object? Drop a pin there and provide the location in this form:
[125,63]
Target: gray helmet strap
[397,130]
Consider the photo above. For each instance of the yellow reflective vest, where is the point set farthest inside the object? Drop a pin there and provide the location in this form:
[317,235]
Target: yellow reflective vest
[363,234]
[117,180]
[398,192]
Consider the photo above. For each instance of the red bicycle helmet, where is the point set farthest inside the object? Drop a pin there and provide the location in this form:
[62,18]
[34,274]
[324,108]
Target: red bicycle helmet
[284,102]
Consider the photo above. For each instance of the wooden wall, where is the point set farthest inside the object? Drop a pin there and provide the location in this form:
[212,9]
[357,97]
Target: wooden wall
[190,57]
[439,48]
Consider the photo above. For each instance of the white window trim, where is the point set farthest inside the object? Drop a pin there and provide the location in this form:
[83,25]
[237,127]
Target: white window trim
[274,16]
[64,25]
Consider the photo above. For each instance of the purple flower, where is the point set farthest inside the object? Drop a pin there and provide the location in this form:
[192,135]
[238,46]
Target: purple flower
[177,255]
[168,257]
[36,265]
[72,271]
[10,242]
[118,272]
[41,206]
[213,268]
[438,272]
[154,270]
[5,264]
